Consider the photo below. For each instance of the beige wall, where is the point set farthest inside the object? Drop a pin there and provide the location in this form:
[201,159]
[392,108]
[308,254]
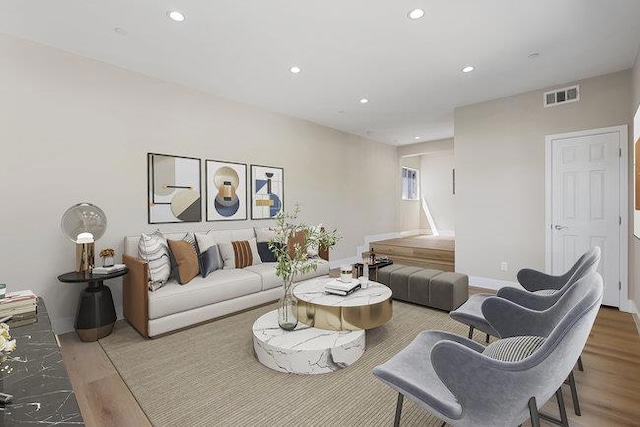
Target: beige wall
[500,171]
[73,129]
[410,210]
[437,190]
[634,250]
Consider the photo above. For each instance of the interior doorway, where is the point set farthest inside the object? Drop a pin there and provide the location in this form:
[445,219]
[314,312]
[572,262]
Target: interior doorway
[586,203]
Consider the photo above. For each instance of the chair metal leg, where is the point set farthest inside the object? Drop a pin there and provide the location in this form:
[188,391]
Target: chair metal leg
[396,421]
[563,421]
[561,408]
[533,413]
[574,394]
[470,332]
[580,367]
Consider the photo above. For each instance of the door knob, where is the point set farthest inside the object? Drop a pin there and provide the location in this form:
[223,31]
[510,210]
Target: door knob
[560,227]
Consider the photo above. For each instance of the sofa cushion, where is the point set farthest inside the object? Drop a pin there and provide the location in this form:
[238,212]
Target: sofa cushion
[267,271]
[322,269]
[239,254]
[153,249]
[264,234]
[209,261]
[266,255]
[220,285]
[186,259]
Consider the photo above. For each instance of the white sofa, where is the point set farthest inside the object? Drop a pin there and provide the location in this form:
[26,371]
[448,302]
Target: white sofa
[222,292]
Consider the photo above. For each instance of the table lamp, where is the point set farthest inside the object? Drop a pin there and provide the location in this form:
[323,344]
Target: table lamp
[84,223]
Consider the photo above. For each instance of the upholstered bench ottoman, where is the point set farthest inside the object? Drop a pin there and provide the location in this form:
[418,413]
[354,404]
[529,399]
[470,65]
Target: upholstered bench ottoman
[432,288]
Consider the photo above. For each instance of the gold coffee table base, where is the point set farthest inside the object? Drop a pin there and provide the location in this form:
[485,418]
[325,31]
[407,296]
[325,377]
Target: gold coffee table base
[341,318]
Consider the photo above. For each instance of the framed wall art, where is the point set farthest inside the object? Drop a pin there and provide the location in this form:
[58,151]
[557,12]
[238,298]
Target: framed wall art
[226,188]
[174,193]
[267,191]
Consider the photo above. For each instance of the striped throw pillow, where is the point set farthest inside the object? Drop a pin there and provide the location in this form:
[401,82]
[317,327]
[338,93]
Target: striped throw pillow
[513,349]
[545,292]
[239,254]
[153,249]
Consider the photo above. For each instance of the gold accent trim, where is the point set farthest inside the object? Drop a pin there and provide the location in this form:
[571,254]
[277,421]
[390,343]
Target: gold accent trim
[94,334]
[337,318]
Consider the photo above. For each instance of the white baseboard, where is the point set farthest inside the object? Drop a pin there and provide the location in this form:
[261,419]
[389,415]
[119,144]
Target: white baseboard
[373,238]
[628,306]
[637,320]
[410,233]
[495,284]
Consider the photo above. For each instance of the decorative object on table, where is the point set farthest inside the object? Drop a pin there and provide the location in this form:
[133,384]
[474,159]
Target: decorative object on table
[346,273]
[7,345]
[107,257]
[267,191]
[340,287]
[226,187]
[20,306]
[108,270]
[83,224]
[174,193]
[290,245]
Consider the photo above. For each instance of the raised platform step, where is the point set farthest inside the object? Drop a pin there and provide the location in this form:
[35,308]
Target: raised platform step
[437,252]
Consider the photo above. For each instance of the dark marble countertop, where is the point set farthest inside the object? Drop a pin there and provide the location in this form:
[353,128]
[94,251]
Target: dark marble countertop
[37,379]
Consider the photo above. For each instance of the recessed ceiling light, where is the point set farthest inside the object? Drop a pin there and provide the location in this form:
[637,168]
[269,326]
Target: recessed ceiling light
[533,55]
[295,70]
[468,69]
[121,31]
[363,100]
[416,14]
[416,137]
[175,15]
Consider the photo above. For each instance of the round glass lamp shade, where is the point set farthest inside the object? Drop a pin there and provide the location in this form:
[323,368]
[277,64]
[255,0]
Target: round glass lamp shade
[84,223]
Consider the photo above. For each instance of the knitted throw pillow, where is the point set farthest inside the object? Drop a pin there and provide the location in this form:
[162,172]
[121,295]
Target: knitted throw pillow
[513,349]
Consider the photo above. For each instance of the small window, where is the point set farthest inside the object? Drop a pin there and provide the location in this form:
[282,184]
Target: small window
[409,184]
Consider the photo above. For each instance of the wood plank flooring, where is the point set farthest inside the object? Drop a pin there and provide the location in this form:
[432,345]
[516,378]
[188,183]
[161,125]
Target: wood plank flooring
[609,388]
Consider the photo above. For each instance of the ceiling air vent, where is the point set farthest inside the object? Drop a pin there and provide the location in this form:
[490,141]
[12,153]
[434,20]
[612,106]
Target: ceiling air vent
[562,96]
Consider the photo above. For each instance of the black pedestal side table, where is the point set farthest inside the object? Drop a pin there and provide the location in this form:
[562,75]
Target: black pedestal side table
[96,312]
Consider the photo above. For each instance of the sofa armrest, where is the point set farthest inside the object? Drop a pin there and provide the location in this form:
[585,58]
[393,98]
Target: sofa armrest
[135,294]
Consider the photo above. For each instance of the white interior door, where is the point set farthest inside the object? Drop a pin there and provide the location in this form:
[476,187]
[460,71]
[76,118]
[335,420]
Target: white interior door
[585,204]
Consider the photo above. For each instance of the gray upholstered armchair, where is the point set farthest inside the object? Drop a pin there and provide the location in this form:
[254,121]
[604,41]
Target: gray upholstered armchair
[534,280]
[450,376]
[470,313]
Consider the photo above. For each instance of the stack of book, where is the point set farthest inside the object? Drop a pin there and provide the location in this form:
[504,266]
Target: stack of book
[108,270]
[338,287]
[20,306]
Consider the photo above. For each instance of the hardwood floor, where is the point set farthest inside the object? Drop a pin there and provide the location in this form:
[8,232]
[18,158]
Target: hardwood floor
[609,388]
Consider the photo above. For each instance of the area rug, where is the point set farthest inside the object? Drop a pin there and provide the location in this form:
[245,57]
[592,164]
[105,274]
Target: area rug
[208,376]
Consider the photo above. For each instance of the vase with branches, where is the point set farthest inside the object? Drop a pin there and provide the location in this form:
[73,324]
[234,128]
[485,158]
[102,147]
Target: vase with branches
[290,246]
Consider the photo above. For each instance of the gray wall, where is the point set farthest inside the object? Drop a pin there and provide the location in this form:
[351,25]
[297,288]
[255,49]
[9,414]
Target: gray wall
[500,170]
[73,129]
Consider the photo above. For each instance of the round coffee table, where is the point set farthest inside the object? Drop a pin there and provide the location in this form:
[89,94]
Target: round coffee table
[305,350]
[364,309]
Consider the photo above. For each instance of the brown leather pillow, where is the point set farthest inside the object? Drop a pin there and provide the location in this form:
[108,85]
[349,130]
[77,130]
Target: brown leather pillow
[186,258]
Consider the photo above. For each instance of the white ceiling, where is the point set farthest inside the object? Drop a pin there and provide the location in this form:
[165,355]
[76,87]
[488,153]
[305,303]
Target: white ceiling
[347,49]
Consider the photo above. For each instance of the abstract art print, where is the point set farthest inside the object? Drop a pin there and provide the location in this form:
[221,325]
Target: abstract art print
[226,184]
[173,189]
[267,191]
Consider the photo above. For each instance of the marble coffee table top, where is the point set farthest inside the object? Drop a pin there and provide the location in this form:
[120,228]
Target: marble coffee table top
[312,291]
[305,350]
